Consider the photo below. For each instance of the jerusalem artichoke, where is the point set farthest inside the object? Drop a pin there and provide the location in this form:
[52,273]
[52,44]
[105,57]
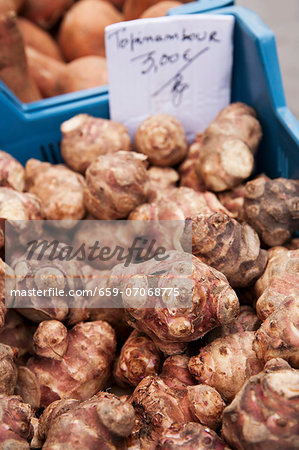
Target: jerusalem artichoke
[16,430]
[187,170]
[11,172]
[162,139]
[115,185]
[190,436]
[264,414]
[160,9]
[271,207]
[205,300]
[101,422]
[280,280]
[59,189]
[226,363]
[228,145]
[277,337]
[77,365]
[231,247]
[139,357]
[84,138]
[8,370]
[206,405]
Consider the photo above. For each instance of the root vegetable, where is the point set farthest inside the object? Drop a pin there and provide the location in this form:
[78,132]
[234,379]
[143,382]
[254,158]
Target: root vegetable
[16,430]
[271,208]
[264,414]
[247,320]
[8,370]
[280,280]
[82,32]
[161,179]
[178,204]
[293,244]
[42,272]
[7,6]
[187,170]
[231,247]
[38,39]
[77,374]
[101,422]
[233,200]
[17,333]
[51,413]
[59,189]
[14,71]
[226,363]
[157,406]
[175,372]
[228,145]
[46,72]
[162,139]
[190,436]
[139,357]
[86,137]
[173,323]
[115,185]
[11,172]
[277,337]
[206,405]
[35,441]
[46,13]
[159,9]
[84,73]
[18,205]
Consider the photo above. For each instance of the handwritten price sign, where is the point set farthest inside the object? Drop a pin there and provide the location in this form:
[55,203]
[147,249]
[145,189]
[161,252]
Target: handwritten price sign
[178,65]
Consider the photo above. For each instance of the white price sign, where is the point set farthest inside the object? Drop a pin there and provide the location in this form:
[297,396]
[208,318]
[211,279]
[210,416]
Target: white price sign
[178,65]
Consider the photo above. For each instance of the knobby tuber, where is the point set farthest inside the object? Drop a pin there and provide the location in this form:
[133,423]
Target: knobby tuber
[205,300]
[8,370]
[178,204]
[187,170]
[139,357]
[44,273]
[101,422]
[246,320]
[84,138]
[59,189]
[206,405]
[11,172]
[280,280]
[264,414]
[277,337]
[228,144]
[82,31]
[18,333]
[271,207]
[16,430]
[162,139]
[190,436]
[233,201]
[226,363]
[231,247]
[115,185]
[161,180]
[68,364]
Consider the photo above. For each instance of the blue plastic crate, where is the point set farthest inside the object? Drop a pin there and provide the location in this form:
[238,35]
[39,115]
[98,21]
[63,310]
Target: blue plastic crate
[33,130]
